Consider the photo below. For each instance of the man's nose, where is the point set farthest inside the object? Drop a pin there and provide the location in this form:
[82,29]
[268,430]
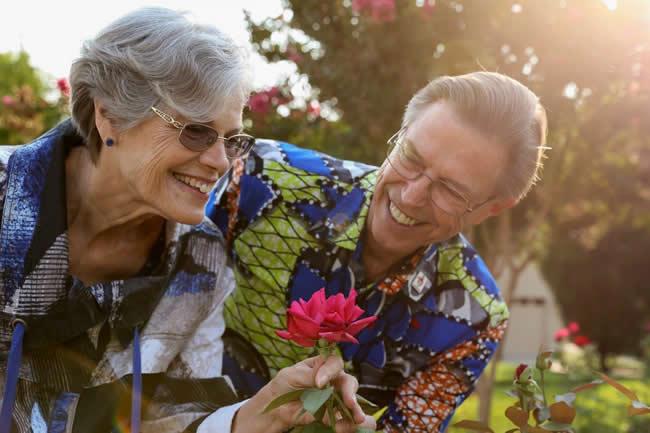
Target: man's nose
[416,192]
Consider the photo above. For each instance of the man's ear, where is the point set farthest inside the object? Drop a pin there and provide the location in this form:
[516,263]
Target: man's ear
[490,209]
[500,205]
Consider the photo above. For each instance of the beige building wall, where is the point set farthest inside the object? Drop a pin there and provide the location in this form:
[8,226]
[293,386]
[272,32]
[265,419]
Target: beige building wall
[534,318]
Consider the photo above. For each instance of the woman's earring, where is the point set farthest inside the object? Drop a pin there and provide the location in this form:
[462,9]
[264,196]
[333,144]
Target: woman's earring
[110,142]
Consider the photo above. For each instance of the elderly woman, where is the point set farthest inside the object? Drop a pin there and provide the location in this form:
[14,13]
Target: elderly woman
[297,220]
[110,279]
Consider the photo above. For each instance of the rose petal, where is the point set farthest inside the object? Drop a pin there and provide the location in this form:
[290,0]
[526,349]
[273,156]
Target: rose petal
[338,336]
[356,327]
[350,303]
[303,326]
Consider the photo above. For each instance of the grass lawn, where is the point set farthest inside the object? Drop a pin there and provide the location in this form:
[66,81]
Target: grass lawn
[600,410]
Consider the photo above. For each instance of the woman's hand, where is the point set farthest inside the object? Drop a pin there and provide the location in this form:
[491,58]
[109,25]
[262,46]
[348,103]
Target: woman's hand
[310,373]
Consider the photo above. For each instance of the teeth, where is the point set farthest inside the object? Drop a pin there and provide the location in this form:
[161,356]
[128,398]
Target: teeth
[194,183]
[400,217]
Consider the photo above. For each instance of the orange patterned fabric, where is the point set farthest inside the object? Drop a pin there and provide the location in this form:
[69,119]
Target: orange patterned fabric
[430,396]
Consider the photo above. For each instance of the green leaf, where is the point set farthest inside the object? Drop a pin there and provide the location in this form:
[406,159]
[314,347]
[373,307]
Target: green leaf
[364,430]
[330,413]
[283,399]
[314,398]
[342,407]
[363,400]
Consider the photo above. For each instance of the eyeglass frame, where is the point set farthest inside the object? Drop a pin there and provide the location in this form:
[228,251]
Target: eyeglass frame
[167,118]
[393,144]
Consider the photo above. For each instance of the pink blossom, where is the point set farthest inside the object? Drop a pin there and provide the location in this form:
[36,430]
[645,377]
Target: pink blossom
[314,108]
[561,334]
[383,10]
[573,328]
[293,55]
[8,101]
[428,7]
[360,5]
[64,86]
[259,103]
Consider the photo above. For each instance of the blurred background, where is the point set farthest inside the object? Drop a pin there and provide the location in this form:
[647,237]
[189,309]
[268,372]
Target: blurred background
[335,75]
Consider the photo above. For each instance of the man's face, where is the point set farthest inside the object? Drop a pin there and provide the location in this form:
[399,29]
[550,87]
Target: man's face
[462,162]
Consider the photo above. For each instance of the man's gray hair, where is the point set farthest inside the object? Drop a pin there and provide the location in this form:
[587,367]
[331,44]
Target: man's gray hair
[502,109]
[155,56]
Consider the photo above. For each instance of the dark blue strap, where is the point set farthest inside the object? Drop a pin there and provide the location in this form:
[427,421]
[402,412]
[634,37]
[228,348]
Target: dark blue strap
[13,368]
[136,402]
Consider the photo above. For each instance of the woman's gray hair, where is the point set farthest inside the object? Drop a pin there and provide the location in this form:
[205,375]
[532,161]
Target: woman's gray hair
[155,56]
[502,109]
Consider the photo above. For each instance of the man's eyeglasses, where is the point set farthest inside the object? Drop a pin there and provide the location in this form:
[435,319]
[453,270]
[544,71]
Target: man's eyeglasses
[442,194]
[198,137]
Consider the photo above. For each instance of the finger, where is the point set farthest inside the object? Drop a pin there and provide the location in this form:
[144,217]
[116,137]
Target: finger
[302,374]
[348,386]
[328,371]
[344,426]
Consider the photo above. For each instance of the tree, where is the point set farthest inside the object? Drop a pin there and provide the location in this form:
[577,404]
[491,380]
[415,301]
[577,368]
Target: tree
[603,287]
[25,112]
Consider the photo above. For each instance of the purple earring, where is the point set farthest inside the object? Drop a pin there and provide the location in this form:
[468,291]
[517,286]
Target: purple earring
[110,142]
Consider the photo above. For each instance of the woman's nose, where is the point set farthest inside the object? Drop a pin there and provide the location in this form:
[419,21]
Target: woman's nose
[215,157]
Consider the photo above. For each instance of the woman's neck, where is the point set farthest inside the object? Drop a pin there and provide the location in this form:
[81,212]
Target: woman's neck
[101,204]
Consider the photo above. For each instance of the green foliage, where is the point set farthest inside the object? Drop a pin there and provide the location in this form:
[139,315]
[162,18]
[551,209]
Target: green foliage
[603,287]
[600,410]
[16,72]
[25,112]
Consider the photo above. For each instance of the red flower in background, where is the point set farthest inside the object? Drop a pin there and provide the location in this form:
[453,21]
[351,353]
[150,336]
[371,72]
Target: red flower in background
[520,369]
[8,101]
[561,334]
[573,328]
[260,103]
[380,10]
[333,319]
[581,340]
[63,86]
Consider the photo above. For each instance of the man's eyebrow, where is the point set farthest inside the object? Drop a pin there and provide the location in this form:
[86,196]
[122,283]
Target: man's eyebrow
[410,148]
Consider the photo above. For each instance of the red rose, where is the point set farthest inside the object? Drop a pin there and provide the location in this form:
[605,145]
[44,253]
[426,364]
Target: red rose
[333,319]
[581,340]
[520,369]
[573,328]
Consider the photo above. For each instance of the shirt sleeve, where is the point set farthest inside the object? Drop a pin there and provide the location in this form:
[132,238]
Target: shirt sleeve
[427,400]
[221,420]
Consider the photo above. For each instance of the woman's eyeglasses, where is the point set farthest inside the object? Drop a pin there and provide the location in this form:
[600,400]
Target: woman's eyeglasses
[198,137]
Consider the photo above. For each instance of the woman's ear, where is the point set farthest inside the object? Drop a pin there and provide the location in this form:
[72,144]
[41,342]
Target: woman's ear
[103,123]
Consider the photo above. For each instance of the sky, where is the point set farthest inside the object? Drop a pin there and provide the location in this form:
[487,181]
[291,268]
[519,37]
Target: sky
[51,32]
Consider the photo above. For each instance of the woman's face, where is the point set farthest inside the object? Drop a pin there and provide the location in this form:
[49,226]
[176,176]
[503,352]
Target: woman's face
[166,177]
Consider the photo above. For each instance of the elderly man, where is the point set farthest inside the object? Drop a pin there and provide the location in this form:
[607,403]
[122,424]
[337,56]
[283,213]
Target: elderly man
[297,220]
